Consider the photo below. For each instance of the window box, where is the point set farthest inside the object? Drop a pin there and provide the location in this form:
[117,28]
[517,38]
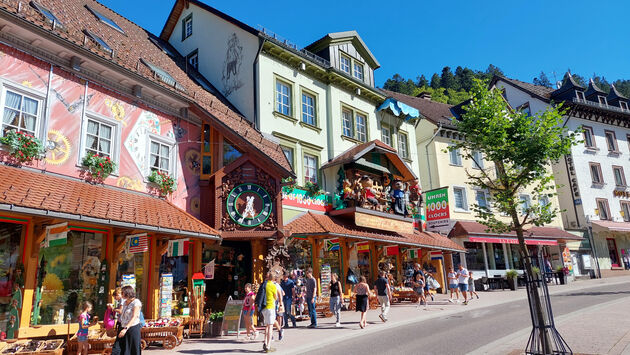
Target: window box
[164,182]
[98,166]
[23,147]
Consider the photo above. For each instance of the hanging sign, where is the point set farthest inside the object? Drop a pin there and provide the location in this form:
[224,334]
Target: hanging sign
[208,270]
[437,208]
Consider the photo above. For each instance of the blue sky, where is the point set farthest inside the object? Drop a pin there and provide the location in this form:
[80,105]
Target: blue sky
[421,37]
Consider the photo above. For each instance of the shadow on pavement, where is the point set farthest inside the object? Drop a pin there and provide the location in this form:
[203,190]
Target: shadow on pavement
[593,293]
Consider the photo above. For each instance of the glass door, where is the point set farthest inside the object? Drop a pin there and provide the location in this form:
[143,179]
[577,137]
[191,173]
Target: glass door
[612,251]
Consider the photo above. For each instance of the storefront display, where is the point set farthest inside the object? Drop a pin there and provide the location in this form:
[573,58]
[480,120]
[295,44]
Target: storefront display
[68,276]
[232,265]
[132,264]
[300,252]
[10,268]
[178,267]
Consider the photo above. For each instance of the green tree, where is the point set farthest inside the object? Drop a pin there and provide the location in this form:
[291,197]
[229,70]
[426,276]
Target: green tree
[398,84]
[422,81]
[522,148]
[602,83]
[447,79]
[542,80]
[435,81]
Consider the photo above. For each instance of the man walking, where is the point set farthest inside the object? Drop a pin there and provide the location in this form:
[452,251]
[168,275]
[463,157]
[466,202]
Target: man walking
[462,276]
[288,286]
[383,293]
[311,295]
[266,301]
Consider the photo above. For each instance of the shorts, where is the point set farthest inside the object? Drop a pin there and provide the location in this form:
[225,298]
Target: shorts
[452,286]
[248,313]
[82,338]
[463,287]
[269,316]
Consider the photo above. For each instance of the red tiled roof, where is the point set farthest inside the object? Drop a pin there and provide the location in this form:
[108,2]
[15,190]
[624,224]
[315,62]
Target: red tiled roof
[129,48]
[435,112]
[613,226]
[320,224]
[463,228]
[352,153]
[42,193]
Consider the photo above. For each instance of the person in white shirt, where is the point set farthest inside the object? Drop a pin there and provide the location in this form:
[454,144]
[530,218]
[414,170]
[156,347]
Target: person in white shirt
[452,284]
[462,276]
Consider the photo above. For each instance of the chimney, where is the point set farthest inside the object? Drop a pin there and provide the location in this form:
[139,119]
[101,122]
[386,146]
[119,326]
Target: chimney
[424,95]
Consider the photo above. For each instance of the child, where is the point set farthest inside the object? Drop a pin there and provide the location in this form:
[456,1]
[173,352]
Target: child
[452,284]
[471,286]
[84,325]
[418,285]
[248,312]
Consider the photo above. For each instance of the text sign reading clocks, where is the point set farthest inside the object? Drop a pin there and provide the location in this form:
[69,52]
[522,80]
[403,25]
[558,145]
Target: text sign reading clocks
[249,205]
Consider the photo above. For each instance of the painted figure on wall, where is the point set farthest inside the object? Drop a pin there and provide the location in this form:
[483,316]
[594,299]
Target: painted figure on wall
[232,66]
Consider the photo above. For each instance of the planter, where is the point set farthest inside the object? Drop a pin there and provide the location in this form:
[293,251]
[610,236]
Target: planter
[513,283]
[215,328]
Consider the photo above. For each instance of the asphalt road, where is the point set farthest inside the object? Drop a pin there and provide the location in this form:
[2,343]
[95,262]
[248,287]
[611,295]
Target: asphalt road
[464,332]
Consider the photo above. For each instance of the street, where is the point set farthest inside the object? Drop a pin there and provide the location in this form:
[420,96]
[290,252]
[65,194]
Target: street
[467,331]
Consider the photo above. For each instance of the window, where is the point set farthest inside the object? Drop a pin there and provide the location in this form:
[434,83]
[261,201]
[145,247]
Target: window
[611,141]
[310,168]
[10,236]
[358,70]
[620,177]
[474,256]
[625,210]
[21,113]
[477,160]
[206,151]
[496,255]
[160,157]
[403,145]
[193,59]
[386,135]
[580,95]
[187,27]
[230,153]
[163,75]
[602,209]
[99,41]
[602,100]
[623,105]
[543,201]
[596,173]
[526,203]
[308,109]
[106,20]
[481,198]
[283,98]
[361,127]
[516,261]
[288,152]
[589,139]
[460,198]
[47,13]
[98,138]
[344,63]
[346,116]
[455,157]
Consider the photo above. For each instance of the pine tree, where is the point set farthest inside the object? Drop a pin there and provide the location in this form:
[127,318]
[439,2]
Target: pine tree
[447,80]
[435,81]
[422,81]
[542,80]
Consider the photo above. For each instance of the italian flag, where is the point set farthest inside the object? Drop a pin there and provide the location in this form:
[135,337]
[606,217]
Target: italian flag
[414,253]
[57,235]
[178,247]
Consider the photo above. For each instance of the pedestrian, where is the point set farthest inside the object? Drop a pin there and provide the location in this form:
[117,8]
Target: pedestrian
[471,286]
[288,286]
[362,291]
[418,286]
[279,307]
[335,297]
[452,284]
[84,325]
[248,312]
[266,301]
[432,284]
[463,277]
[418,271]
[383,294]
[128,339]
[311,297]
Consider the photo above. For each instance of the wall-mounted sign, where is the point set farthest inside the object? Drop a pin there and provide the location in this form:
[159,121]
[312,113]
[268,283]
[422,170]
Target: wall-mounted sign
[301,198]
[249,205]
[378,222]
[437,209]
[621,193]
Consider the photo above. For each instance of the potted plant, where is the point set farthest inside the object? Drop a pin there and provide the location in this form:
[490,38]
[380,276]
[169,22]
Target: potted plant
[312,188]
[536,272]
[23,147]
[99,166]
[216,322]
[512,279]
[562,273]
[164,182]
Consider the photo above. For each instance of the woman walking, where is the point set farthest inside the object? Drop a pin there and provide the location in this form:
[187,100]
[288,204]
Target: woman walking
[249,308]
[362,291]
[335,297]
[128,340]
[452,284]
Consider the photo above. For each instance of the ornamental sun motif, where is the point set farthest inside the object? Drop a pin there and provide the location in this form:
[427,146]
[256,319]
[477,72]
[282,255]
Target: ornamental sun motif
[249,205]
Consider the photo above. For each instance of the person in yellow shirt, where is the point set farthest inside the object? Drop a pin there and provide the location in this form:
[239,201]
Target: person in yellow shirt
[269,311]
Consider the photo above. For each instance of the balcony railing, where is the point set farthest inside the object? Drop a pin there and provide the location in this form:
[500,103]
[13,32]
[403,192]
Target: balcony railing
[283,42]
[600,105]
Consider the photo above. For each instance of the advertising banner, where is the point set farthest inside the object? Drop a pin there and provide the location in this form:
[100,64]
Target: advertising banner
[437,209]
[301,198]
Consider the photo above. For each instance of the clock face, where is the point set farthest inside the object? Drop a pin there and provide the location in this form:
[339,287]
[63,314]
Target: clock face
[249,205]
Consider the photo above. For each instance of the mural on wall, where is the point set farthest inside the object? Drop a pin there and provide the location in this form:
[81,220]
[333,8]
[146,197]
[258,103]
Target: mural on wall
[59,149]
[136,142]
[232,66]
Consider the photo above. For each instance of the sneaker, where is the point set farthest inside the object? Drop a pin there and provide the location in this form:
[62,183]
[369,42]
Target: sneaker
[337,325]
[280,334]
[465,303]
[381,317]
[255,335]
[265,348]
[477,296]
[450,300]
[433,299]
[311,326]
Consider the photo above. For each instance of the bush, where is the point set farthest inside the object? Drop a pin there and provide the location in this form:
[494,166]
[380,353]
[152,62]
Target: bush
[216,316]
[511,274]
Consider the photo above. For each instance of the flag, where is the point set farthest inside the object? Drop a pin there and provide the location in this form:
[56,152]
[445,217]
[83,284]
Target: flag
[435,255]
[332,244]
[178,247]
[208,270]
[414,253]
[56,235]
[391,250]
[137,243]
[363,247]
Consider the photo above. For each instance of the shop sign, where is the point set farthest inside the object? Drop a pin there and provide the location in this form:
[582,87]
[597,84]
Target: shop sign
[363,247]
[621,193]
[232,316]
[301,198]
[586,260]
[438,217]
[325,277]
[512,241]
[378,222]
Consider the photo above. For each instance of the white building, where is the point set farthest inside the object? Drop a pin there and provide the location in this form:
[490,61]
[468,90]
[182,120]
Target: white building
[316,102]
[594,191]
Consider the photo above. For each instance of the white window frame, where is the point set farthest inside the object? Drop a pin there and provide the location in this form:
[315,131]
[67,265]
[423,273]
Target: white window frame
[464,199]
[477,161]
[349,120]
[404,153]
[188,20]
[304,105]
[116,142]
[193,60]
[528,199]
[357,130]
[290,149]
[277,103]
[486,195]
[341,63]
[623,105]
[457,156]
[173,154]
[31,94]
[359,74]
[386,138]
[304,166]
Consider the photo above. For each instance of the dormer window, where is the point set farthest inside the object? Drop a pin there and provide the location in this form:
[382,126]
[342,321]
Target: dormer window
[106,20]
[47,13]
[358,70]
[602,100]
[99,41]
[163,75]
[623,105]
[344,63]
[580,96]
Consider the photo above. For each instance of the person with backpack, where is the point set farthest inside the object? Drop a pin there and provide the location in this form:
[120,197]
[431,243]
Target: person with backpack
[266,301]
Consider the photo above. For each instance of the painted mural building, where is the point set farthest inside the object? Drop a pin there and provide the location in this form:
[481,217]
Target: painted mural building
[594,188]
[143,165]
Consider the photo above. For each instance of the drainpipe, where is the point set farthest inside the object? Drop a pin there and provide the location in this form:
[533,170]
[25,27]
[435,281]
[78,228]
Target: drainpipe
[426,149]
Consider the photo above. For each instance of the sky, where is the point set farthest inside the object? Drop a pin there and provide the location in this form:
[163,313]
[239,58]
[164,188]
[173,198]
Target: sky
[418,37]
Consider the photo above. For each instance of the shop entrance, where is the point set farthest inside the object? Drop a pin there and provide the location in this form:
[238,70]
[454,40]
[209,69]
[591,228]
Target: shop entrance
[612,251]
[233,269]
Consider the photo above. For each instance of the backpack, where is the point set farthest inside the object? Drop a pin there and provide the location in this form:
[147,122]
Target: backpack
[261,296]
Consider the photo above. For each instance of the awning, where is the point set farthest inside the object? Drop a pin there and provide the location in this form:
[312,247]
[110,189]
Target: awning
[399,109]
[313,224]
[535,235]
[513,241]
[43,194]
[611,226]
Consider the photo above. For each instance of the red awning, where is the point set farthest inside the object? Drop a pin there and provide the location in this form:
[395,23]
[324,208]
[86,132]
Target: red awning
[513,241]
[534,235]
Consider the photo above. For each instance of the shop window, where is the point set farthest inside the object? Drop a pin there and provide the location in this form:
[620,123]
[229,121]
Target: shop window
[206,151]
[332,258]
[230,153]
[516,261]
[498,256]
[10,269]
[300,254]
[133,264]
[474,256]
[178,267]
[67,276]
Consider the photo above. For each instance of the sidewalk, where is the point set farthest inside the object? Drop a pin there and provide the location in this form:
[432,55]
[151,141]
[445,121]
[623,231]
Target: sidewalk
[303,339]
